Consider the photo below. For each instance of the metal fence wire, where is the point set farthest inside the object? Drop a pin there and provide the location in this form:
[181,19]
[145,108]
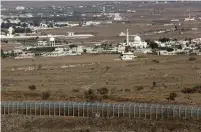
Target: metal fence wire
[86,109]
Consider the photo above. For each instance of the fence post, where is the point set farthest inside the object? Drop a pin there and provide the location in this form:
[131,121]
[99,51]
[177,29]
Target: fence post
[139,111]
[156,111]
[17,107]
[145,111]
[118,110]
[73,108]
[108,110]
[35,108]
[162,112]
[198,113]
[102,110]
[13,107]
[173,110]
[40,108]
[8,107]
[180,112]
[129,111]
[191,112]
[54,109]
[30,112]
[134,111]
[59,109]
[150,112]
[49,108]
[64,109]
[113,110]
[123,109]
[26,108]
[68,108]
[78,111]
[83,109]
[168,111]
[185,112]
[88,110]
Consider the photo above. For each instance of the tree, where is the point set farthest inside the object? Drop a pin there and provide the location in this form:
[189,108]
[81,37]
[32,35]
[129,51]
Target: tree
[84,50]
[169,49]
[180,47]
[12,54]
[175,39]
[3,55]
[153,45]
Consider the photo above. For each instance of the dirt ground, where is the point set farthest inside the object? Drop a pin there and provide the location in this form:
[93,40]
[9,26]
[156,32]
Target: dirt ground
[19,123]
[67,78]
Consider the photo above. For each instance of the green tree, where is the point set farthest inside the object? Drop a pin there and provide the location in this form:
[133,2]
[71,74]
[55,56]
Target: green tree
[153,45]
[3,55]
[84,50]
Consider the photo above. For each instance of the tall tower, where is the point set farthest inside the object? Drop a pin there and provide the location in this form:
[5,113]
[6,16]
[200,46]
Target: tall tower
[52,41]
[127,37]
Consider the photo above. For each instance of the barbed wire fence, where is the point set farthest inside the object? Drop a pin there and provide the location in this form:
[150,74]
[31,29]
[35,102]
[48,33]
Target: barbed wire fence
[86,109]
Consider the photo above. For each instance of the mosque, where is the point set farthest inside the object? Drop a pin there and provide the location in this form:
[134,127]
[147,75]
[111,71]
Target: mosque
[136,42]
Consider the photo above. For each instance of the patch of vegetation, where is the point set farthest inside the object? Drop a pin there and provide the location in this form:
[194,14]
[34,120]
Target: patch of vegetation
[39,66]
[154,84]
[32,87]
[191,58]
[127,90]
[195,89]
[90,95]
[139,88]
[107,68]
[102,90]
[76,90]
[45,95]
[172,96]
[155,61]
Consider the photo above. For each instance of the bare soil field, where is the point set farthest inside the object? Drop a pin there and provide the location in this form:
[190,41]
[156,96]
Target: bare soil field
[19,123]
[68,78]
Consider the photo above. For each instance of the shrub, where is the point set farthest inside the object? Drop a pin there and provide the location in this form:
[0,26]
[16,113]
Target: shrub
[39,66]
[45,95]
[76,90]
[107,68]
[140,88]
[155,61]
[32,87]
[172,96]
[127,90]
[103,90]
[188,90]
[191,58]
[105,97]
[194,89]
[154,84]
[90,95]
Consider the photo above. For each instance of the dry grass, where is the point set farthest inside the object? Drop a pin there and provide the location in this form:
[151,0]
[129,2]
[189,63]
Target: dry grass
[172,74]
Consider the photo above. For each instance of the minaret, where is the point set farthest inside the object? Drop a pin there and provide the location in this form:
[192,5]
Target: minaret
[127,38]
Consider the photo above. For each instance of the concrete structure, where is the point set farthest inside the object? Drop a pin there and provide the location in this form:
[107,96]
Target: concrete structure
[52,42]
[10,32]
[25,55]
[189,18]
[117,17]
[42,43]
[127,56]
[20,8]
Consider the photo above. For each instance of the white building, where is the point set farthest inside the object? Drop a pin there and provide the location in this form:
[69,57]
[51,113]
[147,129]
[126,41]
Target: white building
[189,18]
[42,43]
[20,8]
[128,56]
[117,17]
[89,23]
[136,43]
[25,55]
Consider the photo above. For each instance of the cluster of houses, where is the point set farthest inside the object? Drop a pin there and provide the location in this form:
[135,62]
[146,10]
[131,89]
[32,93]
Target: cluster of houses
[126,50]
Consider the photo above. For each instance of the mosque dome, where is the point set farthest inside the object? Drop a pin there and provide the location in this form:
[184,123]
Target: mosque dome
[137,38]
